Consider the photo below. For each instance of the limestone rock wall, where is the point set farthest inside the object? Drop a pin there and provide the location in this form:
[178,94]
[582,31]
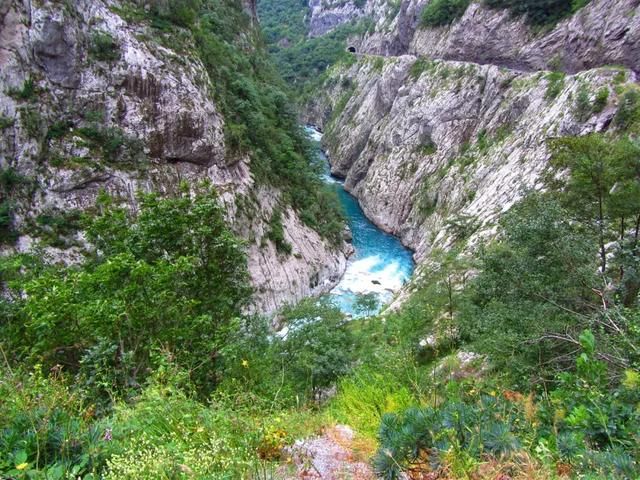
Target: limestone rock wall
[605,32]
[439,131]
[152,110]
[436,150]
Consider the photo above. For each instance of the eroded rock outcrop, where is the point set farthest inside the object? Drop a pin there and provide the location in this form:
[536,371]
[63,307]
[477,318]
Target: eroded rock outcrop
[91,102]
[436,150]
[605,32]
[326,15]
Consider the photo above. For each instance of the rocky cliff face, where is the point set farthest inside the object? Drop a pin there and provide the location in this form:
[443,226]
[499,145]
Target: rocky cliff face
[92,102]
[605,32]
[445,129]
[436,150]
[325,15]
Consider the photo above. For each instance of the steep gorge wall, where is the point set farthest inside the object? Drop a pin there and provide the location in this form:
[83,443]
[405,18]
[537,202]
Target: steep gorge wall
[436,150]
[442,130]
[144,120]
[605,32]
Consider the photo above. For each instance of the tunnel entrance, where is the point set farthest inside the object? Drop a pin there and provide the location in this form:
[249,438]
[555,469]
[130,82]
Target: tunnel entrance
[351,49]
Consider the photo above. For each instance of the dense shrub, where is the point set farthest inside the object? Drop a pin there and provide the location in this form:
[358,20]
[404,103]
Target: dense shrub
[104,47]
[318,346]
[539,272]
[10,186]
[583,426]
[46,430]
[555,84]
[601,100]
[443,12]
[172,276]
[27,92]
[276,232]
[420,66]
[169,434]
[628,114]
[180,12]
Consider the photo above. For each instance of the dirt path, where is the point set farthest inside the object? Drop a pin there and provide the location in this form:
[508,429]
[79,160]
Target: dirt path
[328,457]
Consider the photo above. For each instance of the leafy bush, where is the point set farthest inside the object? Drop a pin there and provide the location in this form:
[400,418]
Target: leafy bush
[182,13]
[6,231]
[10,181]
[583,424]
[318,345]
[6,122]
[27,92]
[104,47]
[276,233]
[540,270]
[443,12]
[482,424]
[32,123]
[555,84]
[54,226]
[168,434]
[601,100]
[420,66]
[582,106]
[155,280]
[45,429]
[59,129]
[111,142]
[628,114]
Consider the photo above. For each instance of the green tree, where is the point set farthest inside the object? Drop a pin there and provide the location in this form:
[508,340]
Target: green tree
[443,12]
[367,304]
[533,291]
[604,189]
[318,346]
[540,12]
[173,277]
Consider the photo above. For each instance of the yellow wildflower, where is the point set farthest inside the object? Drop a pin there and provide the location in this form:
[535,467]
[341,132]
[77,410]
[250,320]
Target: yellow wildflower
[245,363]
[22,466]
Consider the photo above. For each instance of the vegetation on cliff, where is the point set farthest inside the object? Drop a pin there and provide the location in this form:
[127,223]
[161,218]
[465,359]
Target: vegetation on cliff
[299,59]
[139,362]
[535,12]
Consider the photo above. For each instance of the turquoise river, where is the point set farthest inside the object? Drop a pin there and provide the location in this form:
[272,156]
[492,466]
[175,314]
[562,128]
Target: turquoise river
[380,264]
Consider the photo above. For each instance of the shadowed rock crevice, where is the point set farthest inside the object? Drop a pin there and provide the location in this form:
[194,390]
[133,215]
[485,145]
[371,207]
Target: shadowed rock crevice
[55,52]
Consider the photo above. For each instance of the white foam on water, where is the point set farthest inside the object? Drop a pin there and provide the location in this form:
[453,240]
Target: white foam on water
[329,179]
[362,276]
[317,136]
[313,133]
